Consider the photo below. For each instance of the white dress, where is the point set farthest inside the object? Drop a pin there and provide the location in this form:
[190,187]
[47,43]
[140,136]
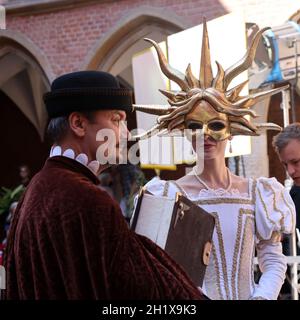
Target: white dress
[243,222]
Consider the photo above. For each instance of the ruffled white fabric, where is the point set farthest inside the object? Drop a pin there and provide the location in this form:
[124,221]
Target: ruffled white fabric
[274,213]
[275,209]
[156,187]
[205,193]
[81,158]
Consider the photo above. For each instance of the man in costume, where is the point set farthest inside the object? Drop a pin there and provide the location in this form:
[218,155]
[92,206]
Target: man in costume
[68,238]
[287,146]
[250,214]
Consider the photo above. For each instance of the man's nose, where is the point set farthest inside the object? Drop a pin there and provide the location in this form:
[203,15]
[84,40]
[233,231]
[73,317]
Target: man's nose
[124,131]
[290,169]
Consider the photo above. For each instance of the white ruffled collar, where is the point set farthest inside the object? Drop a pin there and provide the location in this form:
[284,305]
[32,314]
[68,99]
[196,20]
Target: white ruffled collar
[217,193]
[220,192]
[81,158]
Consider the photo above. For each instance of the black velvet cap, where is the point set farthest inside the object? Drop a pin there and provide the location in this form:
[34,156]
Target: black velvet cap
[86,91]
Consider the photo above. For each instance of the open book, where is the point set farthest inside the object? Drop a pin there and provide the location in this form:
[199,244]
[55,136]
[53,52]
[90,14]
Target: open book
[178,226]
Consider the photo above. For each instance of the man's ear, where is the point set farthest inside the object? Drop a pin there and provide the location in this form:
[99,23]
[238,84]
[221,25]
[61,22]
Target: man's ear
[78,124]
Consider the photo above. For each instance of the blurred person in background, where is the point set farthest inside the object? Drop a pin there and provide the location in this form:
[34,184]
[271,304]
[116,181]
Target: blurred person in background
[25,175]
[287,146]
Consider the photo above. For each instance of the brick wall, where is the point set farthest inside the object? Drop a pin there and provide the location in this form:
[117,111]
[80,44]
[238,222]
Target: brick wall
[66,36]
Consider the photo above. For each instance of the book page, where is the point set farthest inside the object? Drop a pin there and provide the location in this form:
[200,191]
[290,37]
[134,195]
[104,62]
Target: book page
[154,218]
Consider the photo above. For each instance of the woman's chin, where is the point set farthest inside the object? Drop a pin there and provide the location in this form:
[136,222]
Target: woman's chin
[210,154]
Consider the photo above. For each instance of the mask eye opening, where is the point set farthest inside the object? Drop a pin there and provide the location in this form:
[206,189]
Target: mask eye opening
[216,125]
[194,125]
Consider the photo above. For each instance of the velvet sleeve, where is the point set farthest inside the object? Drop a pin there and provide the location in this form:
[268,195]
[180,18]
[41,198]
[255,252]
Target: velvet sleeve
[101,258]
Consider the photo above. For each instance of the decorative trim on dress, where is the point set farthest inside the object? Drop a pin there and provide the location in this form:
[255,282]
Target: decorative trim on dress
[219,196]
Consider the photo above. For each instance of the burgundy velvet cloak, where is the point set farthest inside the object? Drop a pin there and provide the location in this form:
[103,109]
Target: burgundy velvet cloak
[69,240]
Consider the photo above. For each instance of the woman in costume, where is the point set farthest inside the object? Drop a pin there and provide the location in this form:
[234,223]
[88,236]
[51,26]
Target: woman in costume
[250,214]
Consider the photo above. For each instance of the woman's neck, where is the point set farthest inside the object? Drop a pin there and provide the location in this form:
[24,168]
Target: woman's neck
[215,173]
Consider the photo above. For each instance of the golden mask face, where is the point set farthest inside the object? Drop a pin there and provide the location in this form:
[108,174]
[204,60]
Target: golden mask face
[204,116]
[223,110]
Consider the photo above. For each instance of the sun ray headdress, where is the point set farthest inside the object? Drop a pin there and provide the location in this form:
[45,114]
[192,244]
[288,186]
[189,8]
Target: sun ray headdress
[212,90]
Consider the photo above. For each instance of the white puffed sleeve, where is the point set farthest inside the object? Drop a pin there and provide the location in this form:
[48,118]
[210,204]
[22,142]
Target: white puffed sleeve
[161,188]
[275,209]
[274,214]
[156,186]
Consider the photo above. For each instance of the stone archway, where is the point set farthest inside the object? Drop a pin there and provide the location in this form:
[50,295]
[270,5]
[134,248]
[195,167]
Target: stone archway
[19,40]
[25,76]
[23,116]
[115,49]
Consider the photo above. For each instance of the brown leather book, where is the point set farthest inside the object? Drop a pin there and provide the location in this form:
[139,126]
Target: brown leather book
[181,228]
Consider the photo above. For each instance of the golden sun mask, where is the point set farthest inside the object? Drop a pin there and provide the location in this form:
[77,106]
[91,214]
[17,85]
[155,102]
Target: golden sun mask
[207,102]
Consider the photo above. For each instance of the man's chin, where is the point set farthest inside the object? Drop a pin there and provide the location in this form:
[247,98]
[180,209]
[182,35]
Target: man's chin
[297,182]
[114,157]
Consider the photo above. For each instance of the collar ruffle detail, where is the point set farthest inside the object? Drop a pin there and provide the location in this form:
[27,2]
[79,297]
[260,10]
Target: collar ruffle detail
[81,158]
